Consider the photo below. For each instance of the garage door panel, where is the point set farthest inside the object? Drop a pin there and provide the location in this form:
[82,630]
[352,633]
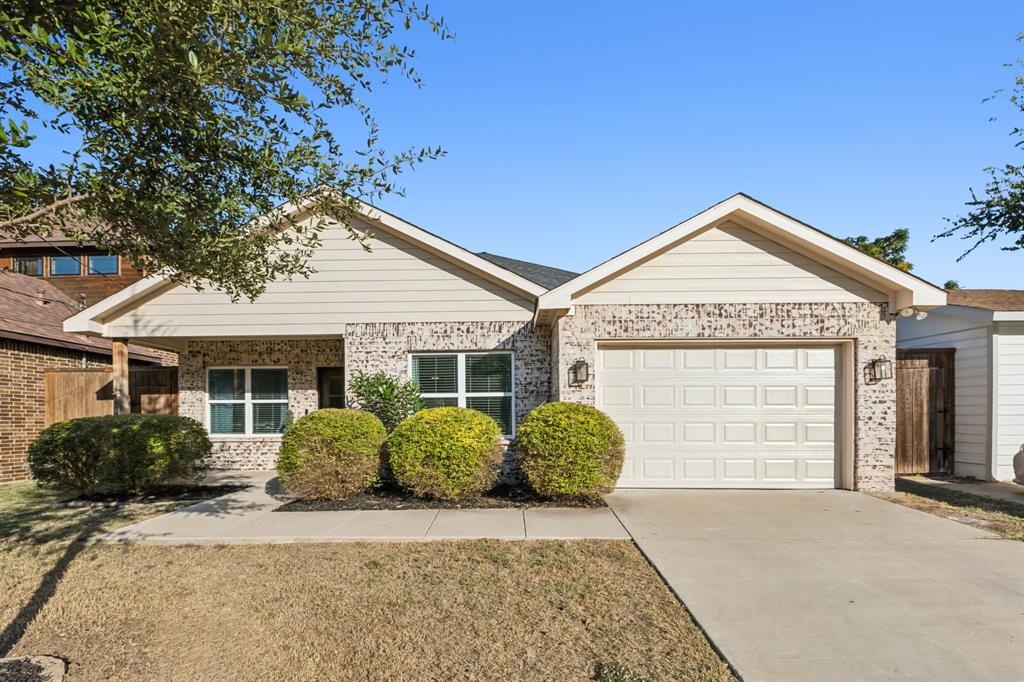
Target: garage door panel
[722,417]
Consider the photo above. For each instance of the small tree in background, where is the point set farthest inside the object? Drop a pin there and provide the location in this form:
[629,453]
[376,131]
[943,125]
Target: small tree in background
[891,249]
[951,285]
[999,212]
[390,398]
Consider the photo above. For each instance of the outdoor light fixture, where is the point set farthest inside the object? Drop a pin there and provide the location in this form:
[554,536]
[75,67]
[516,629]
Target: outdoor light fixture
[579,372]
[880,368]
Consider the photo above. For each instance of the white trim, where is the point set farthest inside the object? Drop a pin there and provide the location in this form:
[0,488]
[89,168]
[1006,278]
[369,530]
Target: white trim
[904,289]
[247,401]
[461,394]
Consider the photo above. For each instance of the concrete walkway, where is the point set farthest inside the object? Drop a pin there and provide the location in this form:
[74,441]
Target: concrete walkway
[247,516]
[1003,491]
[825,586]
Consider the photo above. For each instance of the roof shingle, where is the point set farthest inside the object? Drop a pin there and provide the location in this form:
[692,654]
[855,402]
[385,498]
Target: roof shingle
[987,299]
[546,276]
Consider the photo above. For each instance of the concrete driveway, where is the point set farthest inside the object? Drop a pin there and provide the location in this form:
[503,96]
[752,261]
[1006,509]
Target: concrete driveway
[835,585]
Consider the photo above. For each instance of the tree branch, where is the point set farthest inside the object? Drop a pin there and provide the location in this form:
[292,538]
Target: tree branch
[43,210]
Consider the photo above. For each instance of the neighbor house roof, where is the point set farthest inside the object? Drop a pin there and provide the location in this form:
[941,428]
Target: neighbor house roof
[33,310]
[544,275]
[987,299]
[904,290]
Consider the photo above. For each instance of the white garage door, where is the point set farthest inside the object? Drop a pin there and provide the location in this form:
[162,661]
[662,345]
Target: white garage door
[722,417]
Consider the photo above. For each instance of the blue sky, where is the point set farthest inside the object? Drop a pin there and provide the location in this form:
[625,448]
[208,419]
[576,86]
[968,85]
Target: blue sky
[576,130]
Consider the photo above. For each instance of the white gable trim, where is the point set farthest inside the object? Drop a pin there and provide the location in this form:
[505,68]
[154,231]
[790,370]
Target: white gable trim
[93,319]
[904,290]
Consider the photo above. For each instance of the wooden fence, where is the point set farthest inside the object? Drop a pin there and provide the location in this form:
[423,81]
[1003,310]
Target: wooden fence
[72,393]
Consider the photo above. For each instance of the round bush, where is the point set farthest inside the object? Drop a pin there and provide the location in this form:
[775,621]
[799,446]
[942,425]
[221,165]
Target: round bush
[445,452]
[570,450]
[331,454]
[124,453]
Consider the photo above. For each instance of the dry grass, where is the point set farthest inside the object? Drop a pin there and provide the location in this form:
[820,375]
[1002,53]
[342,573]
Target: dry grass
[480,610]
[1003,518]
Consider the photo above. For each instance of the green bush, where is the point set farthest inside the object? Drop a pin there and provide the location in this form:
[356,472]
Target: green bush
[125,453]
[331,454]
[391,399]
[445,452]
[570,450]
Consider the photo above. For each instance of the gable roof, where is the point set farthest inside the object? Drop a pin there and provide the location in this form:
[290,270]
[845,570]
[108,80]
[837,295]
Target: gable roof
[33,310]
[93,319]
[904,290]
[987,299]
[544,275]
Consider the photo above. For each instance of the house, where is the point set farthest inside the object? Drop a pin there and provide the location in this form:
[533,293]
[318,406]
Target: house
[985,329]
[84,273]
[32,340]
[739,349]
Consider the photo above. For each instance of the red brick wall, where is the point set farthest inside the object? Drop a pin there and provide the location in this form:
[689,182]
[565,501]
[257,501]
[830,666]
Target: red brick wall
[22,408]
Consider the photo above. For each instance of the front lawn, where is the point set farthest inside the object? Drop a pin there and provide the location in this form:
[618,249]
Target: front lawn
[415,611]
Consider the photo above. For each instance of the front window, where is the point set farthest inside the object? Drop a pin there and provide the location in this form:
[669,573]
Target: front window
[481,381]
[28,265]
[247,401]
[102,264]
[65,266]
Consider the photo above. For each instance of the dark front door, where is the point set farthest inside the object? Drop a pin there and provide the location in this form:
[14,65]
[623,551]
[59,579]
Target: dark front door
[331,383]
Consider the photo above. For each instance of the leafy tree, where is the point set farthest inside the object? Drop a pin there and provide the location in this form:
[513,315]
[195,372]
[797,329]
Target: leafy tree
[889,248]
[951,285]
[999,212]
[183,122]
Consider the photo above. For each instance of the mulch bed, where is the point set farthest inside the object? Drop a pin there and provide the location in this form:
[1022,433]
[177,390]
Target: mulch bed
[166,493]
[390,497]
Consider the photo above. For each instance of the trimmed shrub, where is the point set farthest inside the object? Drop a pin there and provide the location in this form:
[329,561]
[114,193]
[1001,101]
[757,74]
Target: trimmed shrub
[570,450]
[445,452]
[331,454]
[391,399]
[124,453]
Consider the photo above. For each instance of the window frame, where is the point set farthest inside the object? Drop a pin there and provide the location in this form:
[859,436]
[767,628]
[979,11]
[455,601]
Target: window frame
[77,259]
[461,394]
[247,400]
[89,272]
[41,260]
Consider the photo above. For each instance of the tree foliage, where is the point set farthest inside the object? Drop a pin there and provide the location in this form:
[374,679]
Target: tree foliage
[185,121]
[999,212]
[951,285]
[891,248]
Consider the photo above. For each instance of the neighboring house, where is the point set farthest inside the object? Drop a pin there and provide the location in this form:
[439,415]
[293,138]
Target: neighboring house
[32,340]
[83,273]
[986,329]
[740,348]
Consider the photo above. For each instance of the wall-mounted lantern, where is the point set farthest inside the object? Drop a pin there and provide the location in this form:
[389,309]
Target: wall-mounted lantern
[579,372]
[880,369]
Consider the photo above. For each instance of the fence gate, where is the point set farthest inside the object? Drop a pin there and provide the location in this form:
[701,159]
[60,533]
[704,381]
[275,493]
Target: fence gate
[72,393]
[925,411]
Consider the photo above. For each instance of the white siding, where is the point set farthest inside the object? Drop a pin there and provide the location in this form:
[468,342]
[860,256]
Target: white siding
[1008,395]
[393,282]
[973,386]
[730,264]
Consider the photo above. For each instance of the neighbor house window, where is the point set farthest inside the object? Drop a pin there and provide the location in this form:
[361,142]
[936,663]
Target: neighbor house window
[100,264]
[247,401]
[28,265]
[481,381]
[64,266]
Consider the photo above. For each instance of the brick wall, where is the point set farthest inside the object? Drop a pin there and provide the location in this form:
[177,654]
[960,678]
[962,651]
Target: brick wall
[22,404]
[868,324]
